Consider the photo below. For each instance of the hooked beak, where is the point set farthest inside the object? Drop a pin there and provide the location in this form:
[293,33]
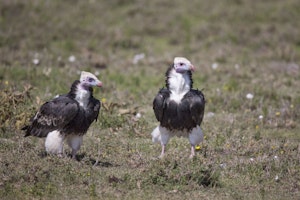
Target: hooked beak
[99,84]
[192,68]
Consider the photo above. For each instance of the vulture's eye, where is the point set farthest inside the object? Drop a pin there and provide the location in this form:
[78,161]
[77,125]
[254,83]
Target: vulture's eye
[91,79]
[181,64]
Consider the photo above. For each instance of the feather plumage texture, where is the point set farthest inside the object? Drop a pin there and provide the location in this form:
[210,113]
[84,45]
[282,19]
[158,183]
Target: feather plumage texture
[179,116]
[67,116]
[178,107]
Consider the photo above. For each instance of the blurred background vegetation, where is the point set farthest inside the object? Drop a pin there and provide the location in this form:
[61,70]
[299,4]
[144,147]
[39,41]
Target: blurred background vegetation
[247,56]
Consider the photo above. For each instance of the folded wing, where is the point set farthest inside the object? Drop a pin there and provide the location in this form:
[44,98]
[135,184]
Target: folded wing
[195,101]
[159,103]
[53,115]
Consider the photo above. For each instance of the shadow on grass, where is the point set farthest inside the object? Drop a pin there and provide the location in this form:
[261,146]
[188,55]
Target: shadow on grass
[95,162]
[83,158]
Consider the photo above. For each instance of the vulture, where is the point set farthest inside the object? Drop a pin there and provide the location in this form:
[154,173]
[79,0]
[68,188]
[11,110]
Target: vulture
[67,117]
[178,107]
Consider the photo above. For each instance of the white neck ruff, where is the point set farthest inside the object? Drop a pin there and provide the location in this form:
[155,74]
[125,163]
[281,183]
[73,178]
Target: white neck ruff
[179,85]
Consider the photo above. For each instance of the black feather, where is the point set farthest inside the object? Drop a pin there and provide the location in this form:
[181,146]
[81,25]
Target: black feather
[186,114]
[64,114]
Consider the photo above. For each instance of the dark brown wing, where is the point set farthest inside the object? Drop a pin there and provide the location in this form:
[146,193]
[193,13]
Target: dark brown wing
[93,109]
[195,100]
[53,115]
[159,103]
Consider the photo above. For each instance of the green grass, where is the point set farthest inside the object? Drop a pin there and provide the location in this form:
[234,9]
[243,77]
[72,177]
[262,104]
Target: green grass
[256,47]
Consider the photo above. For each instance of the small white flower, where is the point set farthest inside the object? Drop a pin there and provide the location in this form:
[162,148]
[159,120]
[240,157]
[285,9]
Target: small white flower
[276,178]
[97,73]
[275,157]
[72,58]
[249,96]
[210,114]
[138,57]
[260,117]
[214,66]
[138,115]
[223,165]
[251,159]
[35,61]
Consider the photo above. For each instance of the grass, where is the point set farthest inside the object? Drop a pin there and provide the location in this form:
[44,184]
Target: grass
[255,46]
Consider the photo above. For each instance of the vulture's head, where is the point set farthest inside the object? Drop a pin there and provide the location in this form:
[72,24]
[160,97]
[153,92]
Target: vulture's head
[88,79]
[182,65]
